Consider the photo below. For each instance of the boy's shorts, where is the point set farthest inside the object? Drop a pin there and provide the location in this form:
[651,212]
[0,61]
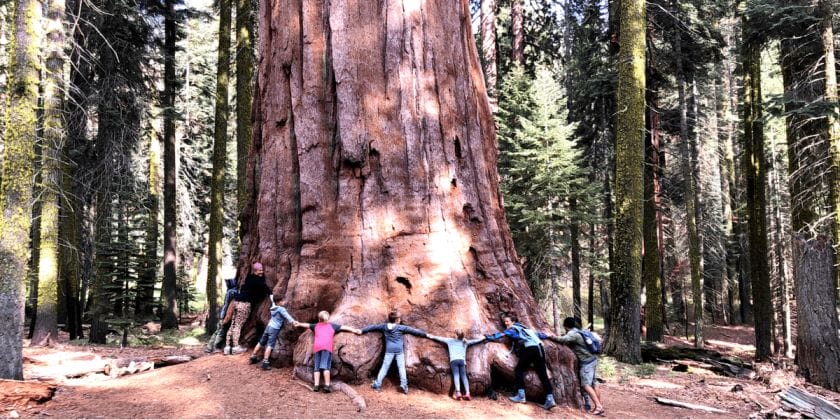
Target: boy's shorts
[269,337]
[587,373]
[321,360]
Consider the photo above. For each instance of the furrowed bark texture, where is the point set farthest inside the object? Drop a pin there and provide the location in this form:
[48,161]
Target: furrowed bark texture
[372,186]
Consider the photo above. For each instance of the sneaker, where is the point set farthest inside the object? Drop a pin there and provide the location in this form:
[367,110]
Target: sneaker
[376,387]
[254,359]
[466,397]
[549,402]
[265,365]
[457,396]
[239,350]
[519,397]
[316,388]
[227,351]
[326,389]
[404,390]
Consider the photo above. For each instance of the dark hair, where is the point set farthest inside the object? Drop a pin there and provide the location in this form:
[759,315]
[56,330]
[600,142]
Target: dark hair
[569,322]
[508,315]
[459,334]
[393,316]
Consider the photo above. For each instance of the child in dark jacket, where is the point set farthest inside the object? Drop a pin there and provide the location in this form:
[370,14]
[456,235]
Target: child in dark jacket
[457,348]
[393,332]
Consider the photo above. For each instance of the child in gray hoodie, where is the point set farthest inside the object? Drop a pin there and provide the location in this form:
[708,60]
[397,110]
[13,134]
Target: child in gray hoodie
[458,360]
[393,332]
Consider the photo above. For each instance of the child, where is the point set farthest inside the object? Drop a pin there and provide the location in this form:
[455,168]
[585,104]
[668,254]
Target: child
[269,337]
[322,347]
[393,332]
[588,362]
[458,360]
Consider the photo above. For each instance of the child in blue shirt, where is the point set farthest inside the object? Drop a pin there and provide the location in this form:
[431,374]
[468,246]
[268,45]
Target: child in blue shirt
[269,337]
[393,332]
[457,348]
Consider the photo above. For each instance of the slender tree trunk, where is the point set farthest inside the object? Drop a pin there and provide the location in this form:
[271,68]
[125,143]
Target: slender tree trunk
[755,168]
[650,266]
[574,237]
[623,342]
[690,199]
[217,187]
[16,185]
[781,262]
[169,319]
[488,48]
[244,93]
[727,186]
[833,121]
[517,17]
[144,304]
[359,208]
[46,329]
[593,260]
[714,250]
[817,343]
[35,230]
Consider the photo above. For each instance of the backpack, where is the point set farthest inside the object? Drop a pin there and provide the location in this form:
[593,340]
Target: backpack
[593,343]
[529,336]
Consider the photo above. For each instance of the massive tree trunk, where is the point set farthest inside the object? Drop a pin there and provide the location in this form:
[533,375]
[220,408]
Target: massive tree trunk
[623,337]
[168,319]
[244,93]
[217,186]
[372,186]
[16,186]
[46,328]
[817,343]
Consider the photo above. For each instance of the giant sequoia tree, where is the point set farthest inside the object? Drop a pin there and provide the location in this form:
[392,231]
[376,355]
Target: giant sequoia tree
[372,184]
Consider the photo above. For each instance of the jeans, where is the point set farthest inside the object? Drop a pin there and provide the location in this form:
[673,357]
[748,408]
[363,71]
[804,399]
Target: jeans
[459,369]
[386,364]
[533,355]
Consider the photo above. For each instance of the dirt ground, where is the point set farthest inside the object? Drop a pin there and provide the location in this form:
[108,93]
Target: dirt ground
[215,386]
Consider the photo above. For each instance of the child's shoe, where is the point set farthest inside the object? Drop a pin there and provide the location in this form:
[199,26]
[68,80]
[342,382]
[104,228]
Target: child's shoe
[265,365]
[239,350]
[466,397]
[254,359]
[376,387]
[326,389]
[227,351]
[549,402]
[519,397]
[457,395]
[316,388]
[404,389]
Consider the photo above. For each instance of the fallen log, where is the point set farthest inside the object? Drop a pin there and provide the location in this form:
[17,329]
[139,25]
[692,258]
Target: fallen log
[705,359]
[675,403]
[808,404]
[22,393]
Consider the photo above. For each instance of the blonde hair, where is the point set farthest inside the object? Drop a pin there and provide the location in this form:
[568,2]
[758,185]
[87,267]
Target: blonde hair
[323,316]
[459,334]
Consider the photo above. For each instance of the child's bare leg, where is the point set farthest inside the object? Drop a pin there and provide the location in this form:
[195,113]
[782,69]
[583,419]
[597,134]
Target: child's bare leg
[316,378]
[267,353]
[593,395]
[256,350]
[326,378]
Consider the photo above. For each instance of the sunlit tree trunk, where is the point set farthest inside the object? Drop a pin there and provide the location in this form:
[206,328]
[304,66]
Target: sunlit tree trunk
[488,47]
[244,93]
[623,341]
[46,329]
[833,116]
[517,17]
[217,186]
[16,183]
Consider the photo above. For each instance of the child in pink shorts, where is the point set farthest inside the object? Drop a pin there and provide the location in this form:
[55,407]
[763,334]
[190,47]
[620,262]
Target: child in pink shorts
[322,347]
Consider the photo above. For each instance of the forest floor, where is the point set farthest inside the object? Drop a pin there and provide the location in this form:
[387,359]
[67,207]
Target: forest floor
[227,386]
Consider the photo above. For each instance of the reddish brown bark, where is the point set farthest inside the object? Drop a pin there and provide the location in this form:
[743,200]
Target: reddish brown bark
[372,186]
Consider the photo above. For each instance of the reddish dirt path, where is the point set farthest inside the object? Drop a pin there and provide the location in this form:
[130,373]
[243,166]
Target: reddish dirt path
[217,386]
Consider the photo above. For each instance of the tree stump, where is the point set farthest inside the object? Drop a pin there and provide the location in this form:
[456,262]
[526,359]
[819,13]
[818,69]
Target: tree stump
[372,186]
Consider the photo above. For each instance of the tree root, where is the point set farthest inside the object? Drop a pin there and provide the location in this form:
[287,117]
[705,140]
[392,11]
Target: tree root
[358,400]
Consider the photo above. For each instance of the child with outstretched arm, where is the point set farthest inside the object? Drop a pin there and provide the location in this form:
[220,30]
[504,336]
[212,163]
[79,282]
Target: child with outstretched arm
[269,337]
[393,332]
[322,348]
[457,348]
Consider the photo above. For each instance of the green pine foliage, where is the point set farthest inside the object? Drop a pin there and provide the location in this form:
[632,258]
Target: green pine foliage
[540,168]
